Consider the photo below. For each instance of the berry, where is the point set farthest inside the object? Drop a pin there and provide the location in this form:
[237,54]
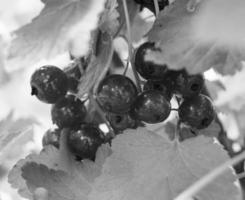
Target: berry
[148,69]
[159,86]
[85,141]
[74,74]
[197,112]
[120,122]
[49,83]
[151,106]
[51,137]
[68,112]
[150,4]
[116,93]
[189,85]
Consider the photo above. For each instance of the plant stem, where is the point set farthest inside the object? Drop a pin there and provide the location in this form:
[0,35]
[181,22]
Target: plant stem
[200,184]
[156,5]
[130,46]
[102,114]
[105,70]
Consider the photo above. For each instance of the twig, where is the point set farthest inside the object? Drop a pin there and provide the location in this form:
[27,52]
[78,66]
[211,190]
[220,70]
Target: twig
[203,182]
[156,5]
[130,46]
[102,115]
[105,70]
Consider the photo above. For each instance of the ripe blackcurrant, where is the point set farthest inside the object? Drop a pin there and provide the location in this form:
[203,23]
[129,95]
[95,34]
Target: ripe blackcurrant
[151,106]
[148,69]
[74,74]
[85,141]
[197,112]
[68,112]
[120,122]
[150,4]
[116,93]
[189,85]
[49,83]
[51,137]
[159,86]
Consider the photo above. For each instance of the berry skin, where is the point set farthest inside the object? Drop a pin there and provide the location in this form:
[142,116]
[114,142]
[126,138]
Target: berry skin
[151,106]
[74,74]
[116,93]
[49,83]
[159,86]
[120,122]
[197,112]
[68,112]
[189,85]
[150,4]
[84,142]
[51,137]
[148,69]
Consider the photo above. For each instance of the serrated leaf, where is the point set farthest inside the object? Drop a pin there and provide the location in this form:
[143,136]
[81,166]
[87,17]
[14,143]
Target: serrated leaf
[10,129]
[49,157]
[61,185]
[176,32]
[56,160]
[146,166]
[47,35]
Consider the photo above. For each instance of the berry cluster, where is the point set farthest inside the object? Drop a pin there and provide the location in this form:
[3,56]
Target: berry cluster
[123,105]
[54,86]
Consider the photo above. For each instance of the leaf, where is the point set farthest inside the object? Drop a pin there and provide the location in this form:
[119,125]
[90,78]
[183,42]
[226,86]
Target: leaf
[11,129]
[47,35]
[109,19]
[234,95]
[214,87]
[176,32]
[62,185]
[49,157]
[4,76]
[146,166]
[56,160]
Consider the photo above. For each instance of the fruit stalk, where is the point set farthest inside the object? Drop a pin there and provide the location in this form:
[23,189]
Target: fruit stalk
[130,47]
[156,5]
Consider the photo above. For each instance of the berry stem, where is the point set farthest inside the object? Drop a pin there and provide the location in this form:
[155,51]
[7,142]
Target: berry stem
[200,184]
[101,113]
[130,46]
[156,5]
[106,68]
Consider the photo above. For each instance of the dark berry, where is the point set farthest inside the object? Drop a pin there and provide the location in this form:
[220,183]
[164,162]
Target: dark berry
[148,69]
[151,106]
[74,74]
[84,142]
[116,93]
[197,112]
[150,4]
[159,86]
[49,83]
[51,137]
[189,85]
[120,122]
[68,112]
